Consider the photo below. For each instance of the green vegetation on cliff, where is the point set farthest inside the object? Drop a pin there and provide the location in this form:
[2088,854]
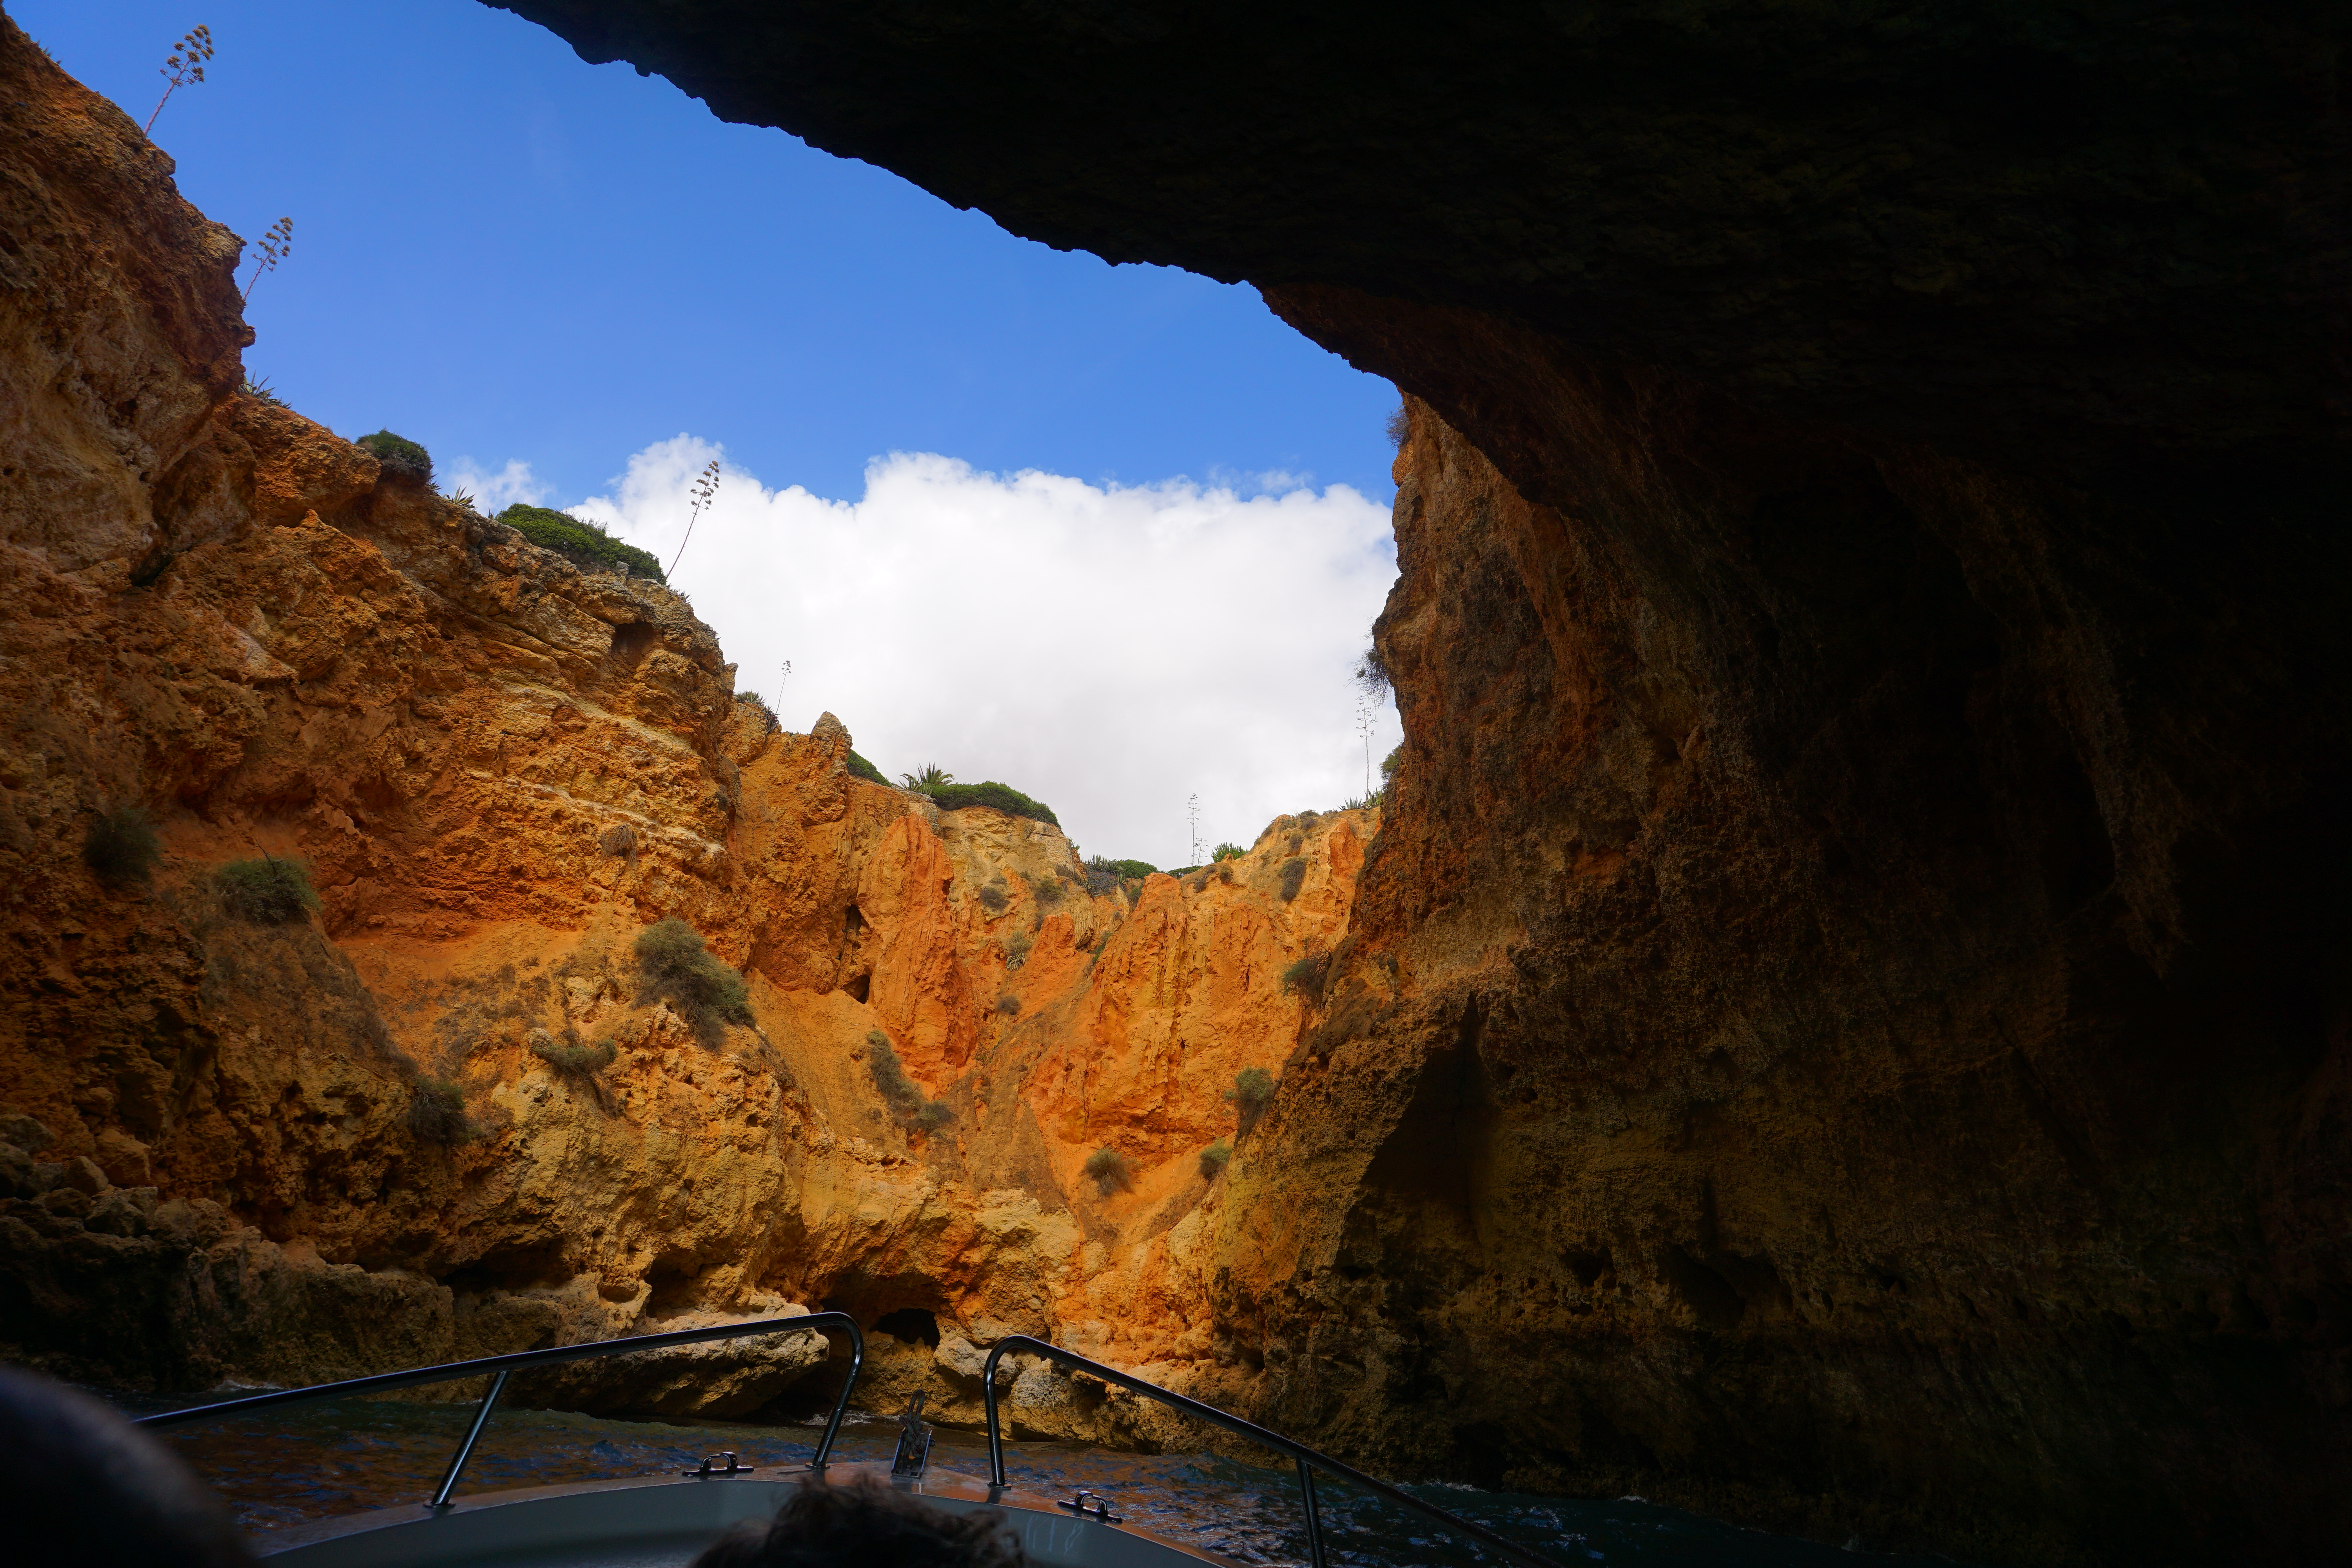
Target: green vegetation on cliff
[904,1097]
[581,543]
[574,1057]
[270,891]
[1251,1092]
[1111,1171]
[400,457]
[994,796]
[679,969]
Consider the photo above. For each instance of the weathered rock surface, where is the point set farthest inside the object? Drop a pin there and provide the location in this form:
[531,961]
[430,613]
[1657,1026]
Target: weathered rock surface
[498,772]
[1845,1022]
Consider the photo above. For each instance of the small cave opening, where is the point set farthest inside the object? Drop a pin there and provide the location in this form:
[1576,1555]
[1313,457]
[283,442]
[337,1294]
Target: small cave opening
[633,641]
[910,1325]
[512,1267]
[672,1282]
[857,986]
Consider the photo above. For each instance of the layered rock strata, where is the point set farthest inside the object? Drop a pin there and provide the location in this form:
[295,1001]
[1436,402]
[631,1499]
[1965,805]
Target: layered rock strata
[231,1151]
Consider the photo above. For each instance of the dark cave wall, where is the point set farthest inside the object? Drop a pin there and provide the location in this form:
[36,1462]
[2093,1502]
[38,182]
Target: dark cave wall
[1790,1097]
[1846,1025]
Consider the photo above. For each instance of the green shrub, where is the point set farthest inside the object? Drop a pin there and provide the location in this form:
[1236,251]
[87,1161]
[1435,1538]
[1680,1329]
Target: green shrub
[759,704]
[266,892]
[1294,877]
[1227,852]
[436,1112]
[859,768]
[1009,1005]
[1214,1159]
[401,458]
[1389,766]
[679,969]
[994,899]
[1251,1092]
[1016,950]
[1046,890]
[582,543]
[904,1096]
[1182,870]
[933,776]
[1305,976]
[583,1060]
[1362,802]
[121,846]
[890,1078]
[262,392]
[992,796]
[1110,1172]
[1103,875]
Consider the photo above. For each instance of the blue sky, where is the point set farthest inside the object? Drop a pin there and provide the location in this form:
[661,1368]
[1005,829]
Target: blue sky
[540,267]
[504,252]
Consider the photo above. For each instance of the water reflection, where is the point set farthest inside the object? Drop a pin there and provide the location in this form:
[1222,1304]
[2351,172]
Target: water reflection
[307,1461]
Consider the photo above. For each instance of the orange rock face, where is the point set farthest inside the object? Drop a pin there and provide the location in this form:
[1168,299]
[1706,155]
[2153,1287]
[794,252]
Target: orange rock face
[498,772]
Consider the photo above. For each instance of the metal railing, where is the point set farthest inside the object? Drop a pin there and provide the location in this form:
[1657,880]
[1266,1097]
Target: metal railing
[501,1367]
[1308,1460]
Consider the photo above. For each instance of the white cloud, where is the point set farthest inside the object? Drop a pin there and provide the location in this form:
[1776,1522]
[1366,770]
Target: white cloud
[1110,650]
[496,492]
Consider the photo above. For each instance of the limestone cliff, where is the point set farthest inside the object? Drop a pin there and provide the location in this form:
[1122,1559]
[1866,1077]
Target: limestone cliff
[222,1153]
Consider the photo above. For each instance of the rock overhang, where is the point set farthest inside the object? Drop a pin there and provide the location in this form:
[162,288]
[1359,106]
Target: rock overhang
[2100,248]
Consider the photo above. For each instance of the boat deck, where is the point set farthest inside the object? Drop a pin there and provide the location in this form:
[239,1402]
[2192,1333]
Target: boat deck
[663,1522]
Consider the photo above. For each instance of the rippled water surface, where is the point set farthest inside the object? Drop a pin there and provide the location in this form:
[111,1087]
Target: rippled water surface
[307,1461]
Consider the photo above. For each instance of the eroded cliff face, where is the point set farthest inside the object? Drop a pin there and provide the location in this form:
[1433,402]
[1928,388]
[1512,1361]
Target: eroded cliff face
[500,772]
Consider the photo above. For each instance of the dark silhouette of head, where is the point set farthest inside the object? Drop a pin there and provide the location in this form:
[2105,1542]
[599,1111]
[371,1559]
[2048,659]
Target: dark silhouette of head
[82,1485]
[865,1524]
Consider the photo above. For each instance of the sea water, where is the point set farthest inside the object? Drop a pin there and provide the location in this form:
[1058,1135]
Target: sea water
[300,1462]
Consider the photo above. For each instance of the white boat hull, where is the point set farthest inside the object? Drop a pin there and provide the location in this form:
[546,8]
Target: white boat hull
[662,1522]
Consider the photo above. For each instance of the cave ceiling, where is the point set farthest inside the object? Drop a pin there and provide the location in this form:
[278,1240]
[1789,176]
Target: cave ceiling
[2104,244]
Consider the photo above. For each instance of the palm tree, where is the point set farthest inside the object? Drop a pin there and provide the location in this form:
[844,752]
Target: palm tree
[930,778]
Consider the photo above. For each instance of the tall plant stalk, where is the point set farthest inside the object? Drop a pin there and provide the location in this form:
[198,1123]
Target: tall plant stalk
[184,66]
[276,246]
[704,489]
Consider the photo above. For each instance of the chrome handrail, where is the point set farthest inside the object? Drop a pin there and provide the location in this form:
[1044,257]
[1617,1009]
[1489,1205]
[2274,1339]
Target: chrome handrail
[500,1366]
[1307,1459]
